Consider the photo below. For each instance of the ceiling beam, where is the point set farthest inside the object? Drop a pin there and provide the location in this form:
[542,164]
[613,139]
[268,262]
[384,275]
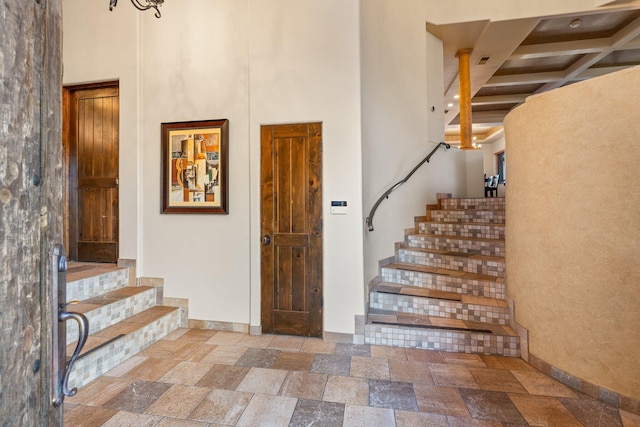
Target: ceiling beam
[525,78]
[600,71]
[542,50]
[577,47]
[499,99]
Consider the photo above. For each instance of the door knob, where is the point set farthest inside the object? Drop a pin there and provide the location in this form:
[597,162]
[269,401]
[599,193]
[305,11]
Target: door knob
[266,240]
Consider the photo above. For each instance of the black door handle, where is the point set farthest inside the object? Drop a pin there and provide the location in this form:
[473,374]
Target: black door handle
[83,333]
[266,240]
[60,369]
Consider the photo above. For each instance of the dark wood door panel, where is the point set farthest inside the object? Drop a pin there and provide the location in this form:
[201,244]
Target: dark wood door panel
[291,281]
[290,322]
[97,228]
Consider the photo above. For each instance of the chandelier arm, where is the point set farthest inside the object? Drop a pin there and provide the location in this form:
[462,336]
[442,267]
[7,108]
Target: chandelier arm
[140,6]
[151,4]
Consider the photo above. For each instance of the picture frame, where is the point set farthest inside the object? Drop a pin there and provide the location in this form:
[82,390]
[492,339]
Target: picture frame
[195,167]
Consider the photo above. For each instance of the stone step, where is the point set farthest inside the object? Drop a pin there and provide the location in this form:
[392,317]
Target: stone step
[468,216]
[412,300]
[474,230]
[432,333]
[113,345]
[483,203]
[110,308]
[479,264]
[88,280]
[443,280]
[467,245]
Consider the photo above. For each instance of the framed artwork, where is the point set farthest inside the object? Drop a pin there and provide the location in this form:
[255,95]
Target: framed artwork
[195,166]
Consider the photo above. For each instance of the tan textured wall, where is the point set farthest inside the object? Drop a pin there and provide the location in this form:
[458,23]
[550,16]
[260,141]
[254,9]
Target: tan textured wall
[573,228]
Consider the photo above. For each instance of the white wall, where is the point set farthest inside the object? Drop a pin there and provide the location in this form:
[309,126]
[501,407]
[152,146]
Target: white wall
[399,127]
[252,62]
[195,67]
[474,168]
[94,52]
[305,67]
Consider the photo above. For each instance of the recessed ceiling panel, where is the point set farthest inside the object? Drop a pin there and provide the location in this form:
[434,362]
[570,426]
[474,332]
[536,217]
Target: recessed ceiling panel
[591,26]
[619,58]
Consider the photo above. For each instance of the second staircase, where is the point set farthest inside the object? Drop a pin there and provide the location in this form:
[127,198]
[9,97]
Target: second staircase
[445,287]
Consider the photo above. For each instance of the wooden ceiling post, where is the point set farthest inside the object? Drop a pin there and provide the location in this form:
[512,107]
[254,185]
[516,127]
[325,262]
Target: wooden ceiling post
[464,79]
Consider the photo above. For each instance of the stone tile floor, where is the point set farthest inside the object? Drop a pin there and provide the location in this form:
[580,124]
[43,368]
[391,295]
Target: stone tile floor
[203,378]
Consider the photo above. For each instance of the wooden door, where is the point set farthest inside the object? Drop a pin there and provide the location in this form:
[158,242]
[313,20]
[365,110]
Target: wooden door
[93,123]
[30,207]
[291,217]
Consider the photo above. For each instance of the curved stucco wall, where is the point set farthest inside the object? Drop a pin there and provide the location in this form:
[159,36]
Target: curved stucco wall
[573,228]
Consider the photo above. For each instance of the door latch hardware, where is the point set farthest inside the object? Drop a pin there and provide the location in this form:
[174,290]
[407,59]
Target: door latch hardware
[60,370]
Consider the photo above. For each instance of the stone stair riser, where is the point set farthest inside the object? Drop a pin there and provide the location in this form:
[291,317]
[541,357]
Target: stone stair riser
[439,308]
[450,262]
[106,358]
[481,247]
[111,314]
[439,282]
[442,340]
[493,203]
[481,231]
[98,285]
[481,217]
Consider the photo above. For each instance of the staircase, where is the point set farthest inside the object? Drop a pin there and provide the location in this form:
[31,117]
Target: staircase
[123,319]
[445,287]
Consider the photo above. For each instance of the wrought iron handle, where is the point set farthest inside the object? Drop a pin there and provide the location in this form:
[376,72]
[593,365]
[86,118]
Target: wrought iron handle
[266,240]
[59,369]
[83,333]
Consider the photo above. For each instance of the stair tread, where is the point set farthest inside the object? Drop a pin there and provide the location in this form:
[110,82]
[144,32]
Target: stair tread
[443,272]
[465,210]
[424,322]
[483,224]
[82,270]
[455,254]
[124,327]
[444,236]
[107,298]
[404,290]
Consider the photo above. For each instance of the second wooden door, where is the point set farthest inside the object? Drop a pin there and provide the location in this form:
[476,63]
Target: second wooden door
[291,175]
[93,122]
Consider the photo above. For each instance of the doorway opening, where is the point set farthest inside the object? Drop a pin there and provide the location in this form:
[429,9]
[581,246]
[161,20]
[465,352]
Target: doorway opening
[90,133]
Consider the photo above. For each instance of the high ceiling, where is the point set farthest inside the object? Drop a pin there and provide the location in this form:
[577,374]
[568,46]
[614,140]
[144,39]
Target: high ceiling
[512,60]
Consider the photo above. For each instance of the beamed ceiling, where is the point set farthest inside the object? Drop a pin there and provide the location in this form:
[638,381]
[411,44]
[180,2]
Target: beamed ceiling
[512,60]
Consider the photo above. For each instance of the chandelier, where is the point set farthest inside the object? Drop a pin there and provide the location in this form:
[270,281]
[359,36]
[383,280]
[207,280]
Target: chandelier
[141,5]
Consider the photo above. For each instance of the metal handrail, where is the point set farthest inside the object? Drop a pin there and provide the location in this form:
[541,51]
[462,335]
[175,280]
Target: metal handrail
[399,183]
